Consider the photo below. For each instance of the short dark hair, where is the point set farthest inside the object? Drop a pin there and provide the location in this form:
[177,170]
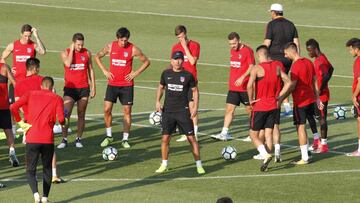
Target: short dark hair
[351,41]
[313,44]
[32,63]
[356,45]
[47,82]
[180,29]
[291,45]
[26,28]
[233,35]
[78,36]
[123,32]
[262,47]
[224,200]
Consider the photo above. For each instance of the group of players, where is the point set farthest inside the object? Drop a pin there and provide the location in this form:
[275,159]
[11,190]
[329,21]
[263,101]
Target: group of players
[261,88]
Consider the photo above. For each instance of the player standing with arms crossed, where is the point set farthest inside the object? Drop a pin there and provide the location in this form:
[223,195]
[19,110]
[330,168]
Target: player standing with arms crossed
[120,77]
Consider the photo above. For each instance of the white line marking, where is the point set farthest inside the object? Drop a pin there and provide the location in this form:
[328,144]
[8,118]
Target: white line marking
[198,178]
[174,15]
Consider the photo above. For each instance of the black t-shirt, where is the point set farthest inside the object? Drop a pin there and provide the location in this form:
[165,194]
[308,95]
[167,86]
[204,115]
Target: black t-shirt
[280,31]
[177,85]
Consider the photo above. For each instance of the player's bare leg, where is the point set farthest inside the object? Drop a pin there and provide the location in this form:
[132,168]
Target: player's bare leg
[356,152]
[259,144]
[165,140]
[302,135]
[81,110]
[276,140]
[11,143]
[229,115]
[196,153]
[108,121]
[248,111]
[127,125]
[68,106]
[55,178]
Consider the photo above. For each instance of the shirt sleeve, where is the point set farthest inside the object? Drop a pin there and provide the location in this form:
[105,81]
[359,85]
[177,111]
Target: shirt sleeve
[162,79]
[196,51]
[60,110]
[192,82]
[295,32]
[294,73]
[268,32]
[14,108]
[251,58]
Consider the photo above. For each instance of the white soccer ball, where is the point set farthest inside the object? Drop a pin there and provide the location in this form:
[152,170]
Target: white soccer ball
[109,153]
[340,112]
[155,118]
[229,153]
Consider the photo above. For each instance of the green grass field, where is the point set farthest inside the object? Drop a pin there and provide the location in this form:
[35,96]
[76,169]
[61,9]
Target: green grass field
[332,177]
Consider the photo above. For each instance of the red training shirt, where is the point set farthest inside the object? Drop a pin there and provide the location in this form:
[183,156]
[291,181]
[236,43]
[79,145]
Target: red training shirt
[44,107]
[240,61]
[4,94]
[76,76]
[322,66]
[21,53]
[356,71]
[121,64]
[194,48]
[303,72]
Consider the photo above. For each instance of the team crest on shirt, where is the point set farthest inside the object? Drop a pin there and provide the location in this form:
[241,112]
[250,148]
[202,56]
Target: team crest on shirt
[82,58]
[240,56]
[126,54]
[182,79]
[29,50]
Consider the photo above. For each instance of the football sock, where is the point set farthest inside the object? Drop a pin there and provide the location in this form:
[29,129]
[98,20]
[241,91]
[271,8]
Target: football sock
[11,150]
[316,136]
[262,150]
[36,196]
[164,162]
[323,141]
[108,132]
[224,131]
[277,149]
[287,106]
[304,152]
[54,172]
[125,136]
[198,163]
[196,129]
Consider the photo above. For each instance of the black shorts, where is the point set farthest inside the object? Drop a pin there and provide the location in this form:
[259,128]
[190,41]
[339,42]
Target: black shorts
[11,94]
[357,111]
[181,119]
[125,94]
[285,61]
[263,119]
[319,114]
[277,117]
[236,98]
[302,113]
[76,93]
[5,119]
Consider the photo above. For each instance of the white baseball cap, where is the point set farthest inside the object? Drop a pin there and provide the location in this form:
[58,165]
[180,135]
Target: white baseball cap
[276,7]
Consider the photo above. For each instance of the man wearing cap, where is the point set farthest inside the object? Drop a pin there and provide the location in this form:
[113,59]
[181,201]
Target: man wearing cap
[176,83]
[279,32]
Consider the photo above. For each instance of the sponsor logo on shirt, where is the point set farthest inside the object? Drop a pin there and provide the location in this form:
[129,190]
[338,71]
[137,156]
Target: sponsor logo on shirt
[118,62]
[235,64]
[29,50]
[80,66]
[21,58]
[82,58]
[169,78]
[175,87]
[240,56]
[126,54]
[182,79]
[186,59]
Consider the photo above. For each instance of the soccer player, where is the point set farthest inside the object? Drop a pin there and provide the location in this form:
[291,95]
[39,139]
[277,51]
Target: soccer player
[5,115]
[120,77]
[191,51]
[305,93]
[266,77]
[354,49]
[279,32]
[44,107]
[32,82]
[176,83]
[241,61]
[78,70]
[324,71]
[21,50]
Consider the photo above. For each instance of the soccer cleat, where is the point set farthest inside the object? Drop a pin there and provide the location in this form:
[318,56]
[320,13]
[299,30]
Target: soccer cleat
[200,170]
[162,169]
[63,144]
[247,139]
[300,162]
[78,143]
[222,137]
[322,149]
[355,153]
[107,140]
[13,160]
[182,138]
[44,200]
[315,145]
[258,157]
[57,180]
[125,144]
[287,114]
[266,162]
[277,159]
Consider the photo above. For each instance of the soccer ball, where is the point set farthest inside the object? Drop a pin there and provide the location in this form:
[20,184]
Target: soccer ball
[229,153]
[340,112]
[109,153]
[155,118]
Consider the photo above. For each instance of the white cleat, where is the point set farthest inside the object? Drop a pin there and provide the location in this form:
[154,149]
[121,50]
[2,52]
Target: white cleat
[258,157]
[182,138]
[246,139]
[222,137]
